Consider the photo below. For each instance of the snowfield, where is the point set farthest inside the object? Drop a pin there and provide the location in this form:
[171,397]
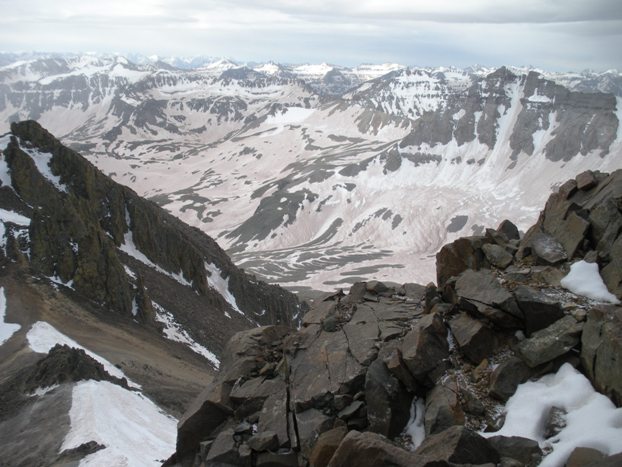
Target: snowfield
[134,431]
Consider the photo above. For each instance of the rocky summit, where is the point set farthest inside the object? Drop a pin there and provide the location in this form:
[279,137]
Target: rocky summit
[417,375]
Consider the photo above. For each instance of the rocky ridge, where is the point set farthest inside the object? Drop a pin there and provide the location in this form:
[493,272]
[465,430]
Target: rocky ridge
[340,390]
[83,230]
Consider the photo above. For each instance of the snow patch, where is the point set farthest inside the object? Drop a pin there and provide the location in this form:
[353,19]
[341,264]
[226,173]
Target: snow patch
[43,391]
[57,280]
[290,115]
[217,282]
[584,279]
[592,420]
[42,161]
[6,329]
[131,249]
[133,429]
[15,218]
[175,332]
[415,427]
[43,336]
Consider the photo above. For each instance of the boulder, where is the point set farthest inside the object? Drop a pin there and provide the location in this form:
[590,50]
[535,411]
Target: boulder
[480,292]
[425,348]
[370,450]
[397,367]
[546,249]
[442,408]
[580,457]
[601,350]
[609,461]
[310,425]
[273,417]
[388,402]
[539,310]
[455,445]
[475,340]
[506,377]
[277,459]
[554,422]
[497,256]
[203,416]
[223,450]
[326,445]
[551,342]
[586,180]
[458,256]
[264,441]
[571,233]
[524,450]
[509,230]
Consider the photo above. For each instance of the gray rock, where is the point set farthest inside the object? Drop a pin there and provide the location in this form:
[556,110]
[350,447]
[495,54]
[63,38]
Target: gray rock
[273,417]
[456,445]
[203,416]
[586,180]
[223,449]
[311,424]
[554,422]
[538,309]
[547,249]
[370,450]
[480,292]
[350,410]
[506,377]
[458,256]
[425,348]
[580,457]
[601,350]
[571,233]
[475,340]
[388,402]
[264,441]
[277,459]
[551,342]
[397,367]
[524,450]
[497,256]
[442,408]
[610,461]
[326,445]
[509,230]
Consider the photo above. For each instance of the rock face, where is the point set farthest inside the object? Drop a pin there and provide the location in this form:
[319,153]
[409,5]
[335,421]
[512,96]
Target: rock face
[123,252]
[340,390]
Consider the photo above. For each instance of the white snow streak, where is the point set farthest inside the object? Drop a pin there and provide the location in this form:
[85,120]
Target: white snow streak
[6,329]
[175,332]
[217,282]
[134,430]
[42,162]
[415,427]
[131,249]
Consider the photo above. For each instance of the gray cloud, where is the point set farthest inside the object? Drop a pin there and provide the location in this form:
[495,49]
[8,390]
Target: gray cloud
[554,34]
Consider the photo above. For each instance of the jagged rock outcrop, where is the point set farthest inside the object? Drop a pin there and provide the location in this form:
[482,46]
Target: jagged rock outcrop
[336,391]
[123,252]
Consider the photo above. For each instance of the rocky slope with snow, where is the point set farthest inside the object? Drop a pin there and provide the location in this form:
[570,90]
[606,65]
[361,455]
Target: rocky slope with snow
[497,364]
[309,187]
[148,301]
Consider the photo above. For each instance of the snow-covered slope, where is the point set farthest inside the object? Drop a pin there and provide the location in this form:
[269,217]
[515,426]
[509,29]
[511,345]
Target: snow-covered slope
[318,191]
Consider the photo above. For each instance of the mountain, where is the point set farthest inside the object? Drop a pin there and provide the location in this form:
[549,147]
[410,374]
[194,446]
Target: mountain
[310,189]
[112,311]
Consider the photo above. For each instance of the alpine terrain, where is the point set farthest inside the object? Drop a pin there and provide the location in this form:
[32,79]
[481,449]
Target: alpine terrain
[210,263]
[319,175]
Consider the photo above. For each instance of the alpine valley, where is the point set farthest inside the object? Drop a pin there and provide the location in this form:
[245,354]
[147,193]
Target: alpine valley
[319,175]
[176,235]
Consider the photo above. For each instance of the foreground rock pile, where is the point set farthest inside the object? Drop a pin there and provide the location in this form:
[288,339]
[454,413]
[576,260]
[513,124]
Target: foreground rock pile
[342,389]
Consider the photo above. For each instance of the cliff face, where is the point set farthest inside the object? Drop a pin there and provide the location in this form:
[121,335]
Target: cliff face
[122,251]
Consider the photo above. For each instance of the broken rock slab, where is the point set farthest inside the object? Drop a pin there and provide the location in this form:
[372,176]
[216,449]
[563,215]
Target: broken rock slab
[551,342]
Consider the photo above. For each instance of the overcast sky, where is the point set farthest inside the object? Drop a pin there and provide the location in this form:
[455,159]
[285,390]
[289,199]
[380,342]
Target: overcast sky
[550,34]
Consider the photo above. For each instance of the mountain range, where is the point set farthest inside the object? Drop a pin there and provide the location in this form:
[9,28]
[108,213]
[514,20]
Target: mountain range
[318,175]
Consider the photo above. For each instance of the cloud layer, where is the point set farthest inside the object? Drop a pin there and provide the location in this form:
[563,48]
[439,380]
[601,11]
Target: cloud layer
[553,34]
